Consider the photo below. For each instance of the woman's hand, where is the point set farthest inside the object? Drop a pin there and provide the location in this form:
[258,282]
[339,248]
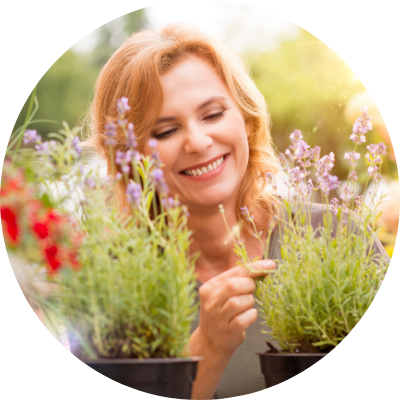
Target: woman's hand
[226,311]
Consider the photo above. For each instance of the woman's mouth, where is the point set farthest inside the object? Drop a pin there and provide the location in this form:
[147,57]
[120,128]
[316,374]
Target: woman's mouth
[212,166]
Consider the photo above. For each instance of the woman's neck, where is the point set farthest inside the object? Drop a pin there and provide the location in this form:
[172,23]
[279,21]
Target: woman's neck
[211,238]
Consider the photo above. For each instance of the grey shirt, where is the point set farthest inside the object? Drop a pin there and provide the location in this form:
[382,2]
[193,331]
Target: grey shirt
[243,373]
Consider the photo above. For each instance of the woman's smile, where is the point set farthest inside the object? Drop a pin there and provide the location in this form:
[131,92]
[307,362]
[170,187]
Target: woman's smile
[207,170]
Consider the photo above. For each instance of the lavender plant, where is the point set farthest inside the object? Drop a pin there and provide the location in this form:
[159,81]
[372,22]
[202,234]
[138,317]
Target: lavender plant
[328,274]
[131,293]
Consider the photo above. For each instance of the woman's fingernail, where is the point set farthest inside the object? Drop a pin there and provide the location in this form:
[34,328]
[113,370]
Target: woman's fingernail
[269,264]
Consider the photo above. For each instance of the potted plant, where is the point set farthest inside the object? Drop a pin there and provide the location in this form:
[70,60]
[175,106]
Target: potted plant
[127,296]
[329,271]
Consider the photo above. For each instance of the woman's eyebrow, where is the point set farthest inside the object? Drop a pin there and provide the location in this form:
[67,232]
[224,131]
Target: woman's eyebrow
[198,108]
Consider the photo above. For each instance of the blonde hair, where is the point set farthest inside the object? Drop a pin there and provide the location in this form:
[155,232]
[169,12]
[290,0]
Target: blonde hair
[134,71]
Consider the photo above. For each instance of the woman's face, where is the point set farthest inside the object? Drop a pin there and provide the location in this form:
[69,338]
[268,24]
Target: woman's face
[202,136]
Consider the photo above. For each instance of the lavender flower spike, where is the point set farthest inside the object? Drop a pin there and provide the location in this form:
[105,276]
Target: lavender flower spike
[122,106]
[361,126]
[153,143]
[75,145]
[31,136]
[131,141]
[110,132]
[352,158]
[327,183]
[133,193]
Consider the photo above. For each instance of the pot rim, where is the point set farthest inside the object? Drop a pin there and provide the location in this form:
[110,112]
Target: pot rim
[291,354]
[169,360]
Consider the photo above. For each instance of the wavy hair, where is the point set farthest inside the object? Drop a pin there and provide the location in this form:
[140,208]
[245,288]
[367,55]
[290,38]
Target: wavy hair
[134,71]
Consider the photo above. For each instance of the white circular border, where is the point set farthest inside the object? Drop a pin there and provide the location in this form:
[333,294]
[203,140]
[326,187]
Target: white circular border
[36,33]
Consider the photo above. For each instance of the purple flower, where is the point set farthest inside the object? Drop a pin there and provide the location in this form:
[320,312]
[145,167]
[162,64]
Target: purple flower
[347,194]
[110,132]
[296,176]
[353,176]
[335,205]
[122,106]
[373,171]
[246,213]
[270,179]
[46,147]
[75,145]
[170,202]
[377,149]
[296,136]
[283,162]
[352,157]
[361,126]
[327,183]
[358,204]
[133,193]
[153,143]
[325,164]
[31,136]
[158,175]
[131,141]
[124,159]
[315,153]
[90,183]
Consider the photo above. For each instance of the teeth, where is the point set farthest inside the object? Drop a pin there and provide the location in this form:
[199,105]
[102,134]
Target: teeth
[205,170]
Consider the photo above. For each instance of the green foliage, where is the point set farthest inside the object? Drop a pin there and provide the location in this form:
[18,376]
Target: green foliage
[306,84]
[322,287]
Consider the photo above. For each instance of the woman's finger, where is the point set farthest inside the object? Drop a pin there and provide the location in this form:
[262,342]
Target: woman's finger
[236,305]
[242,321]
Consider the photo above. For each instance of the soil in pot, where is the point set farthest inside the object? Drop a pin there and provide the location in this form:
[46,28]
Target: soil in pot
[278,367]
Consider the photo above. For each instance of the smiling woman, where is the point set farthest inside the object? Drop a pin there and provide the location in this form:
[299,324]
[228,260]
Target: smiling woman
[195,100]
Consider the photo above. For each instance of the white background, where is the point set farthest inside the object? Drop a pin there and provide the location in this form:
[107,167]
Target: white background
[34,34]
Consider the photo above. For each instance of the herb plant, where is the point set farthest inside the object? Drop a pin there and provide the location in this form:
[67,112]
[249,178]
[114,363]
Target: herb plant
[327,275]
[130,293]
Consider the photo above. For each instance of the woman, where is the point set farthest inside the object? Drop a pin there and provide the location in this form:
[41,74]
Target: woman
[196,98]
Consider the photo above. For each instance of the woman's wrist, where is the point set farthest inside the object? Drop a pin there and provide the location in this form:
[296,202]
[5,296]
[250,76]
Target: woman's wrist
[211,368]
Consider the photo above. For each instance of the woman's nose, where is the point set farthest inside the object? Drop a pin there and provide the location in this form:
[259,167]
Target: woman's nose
[197,140]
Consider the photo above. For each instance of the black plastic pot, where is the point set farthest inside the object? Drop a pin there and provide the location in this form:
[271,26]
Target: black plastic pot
[279,367]
[168,377]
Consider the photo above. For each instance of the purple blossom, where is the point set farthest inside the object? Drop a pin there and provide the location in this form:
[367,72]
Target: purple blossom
[315,153]
[327,183]
[90,183]
[170,202]
[361,126]
[353,176]
[358,204]
[31,136]
[335,205]
[270,179]
[110,132]
[122,106]
[296,136]
[46,147]
[377,149]
[133,193]
[310,185]
[246,213]
[296,175]
[75,145]
[131,141]
[158,175]
[283,162]
[352,157]
[373,159]
[373,171]
[124,159]
[325,164]
[347,194]
[303,191]
[153,143]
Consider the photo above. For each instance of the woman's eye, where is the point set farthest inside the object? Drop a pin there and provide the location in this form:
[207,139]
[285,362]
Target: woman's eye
[164,135]
[215,116]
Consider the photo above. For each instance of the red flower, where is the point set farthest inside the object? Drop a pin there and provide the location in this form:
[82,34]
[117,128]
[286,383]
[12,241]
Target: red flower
[10,219]
[41,230]
[51,256]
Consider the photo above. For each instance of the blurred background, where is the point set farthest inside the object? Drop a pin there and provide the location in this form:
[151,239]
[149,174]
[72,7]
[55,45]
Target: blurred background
[305,84]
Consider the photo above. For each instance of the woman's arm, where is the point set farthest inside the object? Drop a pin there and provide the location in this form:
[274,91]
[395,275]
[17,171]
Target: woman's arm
[226,311]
